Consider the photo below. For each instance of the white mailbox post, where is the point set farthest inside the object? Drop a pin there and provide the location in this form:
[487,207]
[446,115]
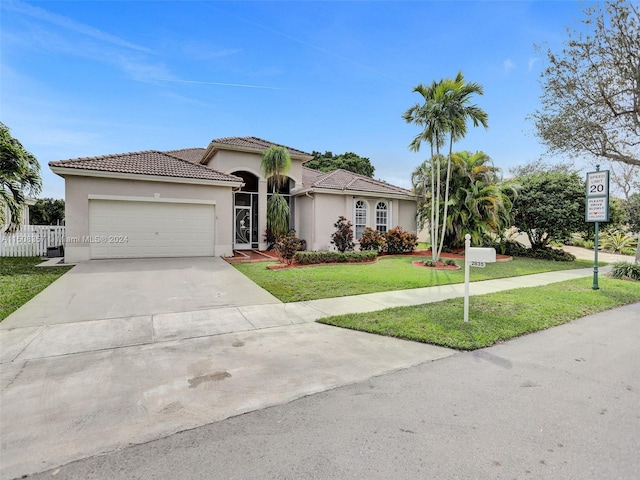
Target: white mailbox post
[474,257]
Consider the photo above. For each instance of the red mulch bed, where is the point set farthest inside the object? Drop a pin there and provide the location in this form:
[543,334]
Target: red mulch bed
[264,256]
[437,266]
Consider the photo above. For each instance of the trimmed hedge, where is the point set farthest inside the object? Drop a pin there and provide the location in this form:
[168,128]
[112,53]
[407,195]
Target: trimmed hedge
[312,258]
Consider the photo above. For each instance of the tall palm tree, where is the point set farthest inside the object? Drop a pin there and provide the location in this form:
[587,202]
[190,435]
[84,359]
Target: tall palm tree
[276,163]
[444,114]
[458,110]
[19,177]
[429,116]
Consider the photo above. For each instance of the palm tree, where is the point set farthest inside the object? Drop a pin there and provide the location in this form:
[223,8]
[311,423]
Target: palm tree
[481,202]
[429,116]
[458,111]
[445,113]
[275,164]
[19,177]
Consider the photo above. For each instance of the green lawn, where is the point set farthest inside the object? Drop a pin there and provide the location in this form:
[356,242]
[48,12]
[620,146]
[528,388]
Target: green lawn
[21,280]
[388,273]
[494,317]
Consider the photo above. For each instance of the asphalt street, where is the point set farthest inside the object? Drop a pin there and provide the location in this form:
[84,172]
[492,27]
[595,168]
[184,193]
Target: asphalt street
[559,404]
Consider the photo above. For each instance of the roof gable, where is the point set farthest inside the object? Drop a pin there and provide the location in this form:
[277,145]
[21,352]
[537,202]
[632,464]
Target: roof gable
[150,162]
[251,144]
[344,180]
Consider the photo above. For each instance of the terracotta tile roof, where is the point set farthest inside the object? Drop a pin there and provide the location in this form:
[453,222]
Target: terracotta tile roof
[345,180]
[150,162]
[190,154]
[255,143]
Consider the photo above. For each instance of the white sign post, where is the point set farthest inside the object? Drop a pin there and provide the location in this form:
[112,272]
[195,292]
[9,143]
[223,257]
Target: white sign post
[474,257]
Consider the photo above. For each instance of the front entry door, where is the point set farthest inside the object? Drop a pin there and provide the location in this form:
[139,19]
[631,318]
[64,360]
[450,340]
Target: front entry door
[242,226]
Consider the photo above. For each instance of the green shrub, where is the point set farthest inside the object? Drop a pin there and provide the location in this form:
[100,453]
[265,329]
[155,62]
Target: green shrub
[615,241]
[312,258]
[429,262]
[626,270]
[544,253]
[342,238]
[287,246]
[450,262]
[372,240]
[399,241]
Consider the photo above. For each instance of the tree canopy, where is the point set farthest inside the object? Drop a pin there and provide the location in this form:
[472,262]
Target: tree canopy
[550,206]
[46,211]
[591,89]
[327,161]
[19,177]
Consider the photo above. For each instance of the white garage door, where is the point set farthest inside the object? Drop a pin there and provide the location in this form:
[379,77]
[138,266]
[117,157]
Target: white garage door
[126,229]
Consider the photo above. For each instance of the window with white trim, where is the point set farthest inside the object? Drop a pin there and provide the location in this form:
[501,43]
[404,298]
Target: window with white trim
[360,217]
[382,217]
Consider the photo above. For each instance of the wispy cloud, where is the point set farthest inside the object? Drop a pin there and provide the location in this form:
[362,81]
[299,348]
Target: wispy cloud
[137,62]
[222,84]
[508,65]
[314,47]
[204,51]
[532,62]
[69,24]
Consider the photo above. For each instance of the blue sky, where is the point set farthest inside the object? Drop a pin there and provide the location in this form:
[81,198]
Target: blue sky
[87,78]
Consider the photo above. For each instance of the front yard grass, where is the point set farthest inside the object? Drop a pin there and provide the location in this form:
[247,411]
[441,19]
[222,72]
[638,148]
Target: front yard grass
[21,280]
[388,273]
[494,317]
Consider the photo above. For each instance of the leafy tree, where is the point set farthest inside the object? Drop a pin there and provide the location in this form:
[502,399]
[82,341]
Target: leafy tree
[443,115]
[632,208]
[591,90]
[539,166]
[326,162]
[47,211]
[550,206]
[625,177]
[19,177]
[275,165]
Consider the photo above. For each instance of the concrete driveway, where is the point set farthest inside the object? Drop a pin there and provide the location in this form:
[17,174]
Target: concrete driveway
[121,352]
[102,289]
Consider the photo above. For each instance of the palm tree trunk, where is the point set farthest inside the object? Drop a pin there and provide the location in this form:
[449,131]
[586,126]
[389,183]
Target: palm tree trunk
[436,224]
[446,197]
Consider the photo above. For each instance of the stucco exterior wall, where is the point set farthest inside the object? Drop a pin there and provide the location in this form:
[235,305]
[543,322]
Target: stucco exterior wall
[229,161]
[315,218]
[78,189]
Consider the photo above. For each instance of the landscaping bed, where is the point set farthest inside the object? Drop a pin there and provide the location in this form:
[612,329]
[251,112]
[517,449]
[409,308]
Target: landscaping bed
[392,272]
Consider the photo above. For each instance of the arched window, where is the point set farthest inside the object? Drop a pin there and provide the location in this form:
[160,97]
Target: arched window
[382,217]
[360,217]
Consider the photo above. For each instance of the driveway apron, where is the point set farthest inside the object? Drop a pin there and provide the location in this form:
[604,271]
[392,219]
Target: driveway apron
[120,352]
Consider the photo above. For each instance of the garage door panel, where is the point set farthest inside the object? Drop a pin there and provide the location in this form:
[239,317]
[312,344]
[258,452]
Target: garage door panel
[150,229]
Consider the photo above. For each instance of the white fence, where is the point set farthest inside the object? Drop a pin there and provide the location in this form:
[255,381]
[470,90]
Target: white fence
[31,240]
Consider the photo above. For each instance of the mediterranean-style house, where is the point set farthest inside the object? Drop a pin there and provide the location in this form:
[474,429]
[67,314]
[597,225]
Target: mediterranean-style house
[211,201]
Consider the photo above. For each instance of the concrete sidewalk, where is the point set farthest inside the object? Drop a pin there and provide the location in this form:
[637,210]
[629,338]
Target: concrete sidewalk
[33,342]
